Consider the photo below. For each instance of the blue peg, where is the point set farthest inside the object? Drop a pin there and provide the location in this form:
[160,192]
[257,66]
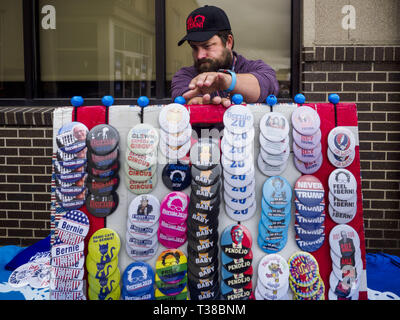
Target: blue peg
[143,101]
[107,101]
[299,98]
[237,98]
[271,100]
[334,98]
[77,101]
[180,100]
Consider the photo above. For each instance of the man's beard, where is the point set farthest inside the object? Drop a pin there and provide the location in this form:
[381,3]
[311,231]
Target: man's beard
[210,65]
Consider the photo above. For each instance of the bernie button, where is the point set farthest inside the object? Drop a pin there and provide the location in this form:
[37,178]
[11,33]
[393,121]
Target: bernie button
[239,180]
[103,174]
[277,192]
[66,255]
[58,169]
[138,278]
[243,293]
[235,153]
[176,176]
[206,192]
[141,254]
[342,184]
[275,214]
[71,165]
[269,170]
[341,141]
[303,269]
[174,118]
[104,245]
[238,119]
[115,294]
[309,223]
[141,161]
[171,265]
[340,217]
[102,186]
[307,142]
[102,205]
[344,240]
[274,126]
[102,139]
[70,191]
[73,227]
[239,204]
[141,187]
[171,242]
[140,244]
[239,192]
[67,273]
[309,212]
[271,147]
[273,271]
[237,266]
[59,284]
[67,157]
[144,211]
[103,162]
[306,155]
[305,120]
[237,280]
[236,167]
[175,153]
[170,289]
[71,138]
[140,175]
[343,206]
[241,215]
[174,207]
[341,162]
[100,269]
[308,167]
[275,159]
[236,241]
[205,154]
[142,138]
[206,177]
[106,283]
[309,190]
[239,140]
[180,296]
[173,230]
[70,177]
[176,139]
[142,232]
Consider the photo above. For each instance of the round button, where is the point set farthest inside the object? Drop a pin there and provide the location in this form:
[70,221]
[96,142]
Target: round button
[239,140]
[241,215]
[274,126]
[176,176]
[205,154]
[239,180]
[275,148]
[307,142]
[206,177]
[343,206]
[303,269]
[236,241]
[308,167]
[104,245]
[344,240]
[235,153]
[342,184]
[171,265]
[174,118]
[138,278]
[176,139]
[307,155]
[139,175]
[341,141]
[305,120]
[340,217]
[102,139]
[341,162]
[141,254]
[73,227]
[269,170]
[238,119]
[142,138]
[144,210]
[71,138]
[141,187]
[277,192]
[175,153]
[237,167]
[140,161]
[103,162]
[174,207]
[275,159]
[309,190]
[102,205]
[273,271]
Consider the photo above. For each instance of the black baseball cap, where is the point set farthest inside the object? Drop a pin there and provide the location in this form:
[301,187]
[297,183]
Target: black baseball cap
[204,23]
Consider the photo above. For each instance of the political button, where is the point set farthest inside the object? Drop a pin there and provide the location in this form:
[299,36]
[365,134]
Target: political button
[141,254]
[174,207]
[241,215]
[171,242]
[239,204]
[275,214]
[196,284]
[142,232]
[140,244]
[201,231]
[66,255]
[343,206]
[275,159]
[140,161]
[102,139]
[200,218]
[142,138]
[71,137]
[341,162]
[333,296]
[67,295]
[273,271]
[115,294]
[242,293]
[103,162]
[171,265]
[342,184]
[71,203]
[235,153]
[306,120]
[102,205]
[238,265]
[270,247]
[70,166]
[205,154]
[202,259]
[269,170]
[239,140]
[264,293]
[173,118]
[203,294]
[206,192]
[65,285]
[270,236]
[183,295]
[309,212]
[104,245]
[204,206]
[309,223]
[308,167]
[58,169]
[344,240]
[206,177]
[239,180]
[306,155]
[303,269]
[238,119]
[170,289]
[104,284]
[67,273]
[340,217]
[274,126]
[239,192]
[341,141]
[173,230]
[348,271]
[273,147]
[73,227]
[101,269]
[67,157]
[71,177]
[340,261]
[103,174]
[310,245]
[237,280]
[277,192]
[203,245]
[237,167]
[20,276]
[203,272]
[236,241]
[343,288]
[102,187]
[309,190]
[144,211]
[307,142]
[138,278]
[176,176]
[175,153]
[305,293]
[275,225]
[176,139]
[141,187]
[140,175]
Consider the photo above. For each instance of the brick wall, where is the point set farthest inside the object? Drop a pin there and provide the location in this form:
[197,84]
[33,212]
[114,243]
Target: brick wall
[369,76]
[25,174]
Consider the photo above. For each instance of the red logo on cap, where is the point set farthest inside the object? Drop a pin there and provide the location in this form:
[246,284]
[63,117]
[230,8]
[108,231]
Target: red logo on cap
[197,22]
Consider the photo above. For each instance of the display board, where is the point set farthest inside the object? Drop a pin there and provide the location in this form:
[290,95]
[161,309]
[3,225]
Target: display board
[123,118]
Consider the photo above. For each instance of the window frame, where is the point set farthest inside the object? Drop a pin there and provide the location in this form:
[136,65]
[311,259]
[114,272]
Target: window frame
[31,26]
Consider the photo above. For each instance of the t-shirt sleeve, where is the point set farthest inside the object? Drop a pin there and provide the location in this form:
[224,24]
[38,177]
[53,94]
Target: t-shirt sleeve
[266,77]
[180,82]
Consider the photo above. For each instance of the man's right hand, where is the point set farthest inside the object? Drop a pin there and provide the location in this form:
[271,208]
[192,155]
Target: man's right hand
[206,99]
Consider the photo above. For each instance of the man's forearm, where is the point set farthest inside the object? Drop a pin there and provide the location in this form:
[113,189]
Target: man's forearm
[247,85]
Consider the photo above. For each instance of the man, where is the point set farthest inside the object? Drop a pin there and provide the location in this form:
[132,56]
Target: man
[219,72]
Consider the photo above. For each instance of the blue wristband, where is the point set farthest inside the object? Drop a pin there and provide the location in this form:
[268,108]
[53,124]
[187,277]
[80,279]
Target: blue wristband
[233,83]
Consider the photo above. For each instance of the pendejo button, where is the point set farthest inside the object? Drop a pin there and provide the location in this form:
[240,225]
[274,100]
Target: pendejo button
[104,245]
[309,190]
[103,162]
[206,177]
[274,126]
[237,280]
[205,154]
[344,240]
[342,184]
[277,192]
[341,162]
[171,265]
[273,271]
[142,138]
[271,147]
[239,180]
[236,241]
[102,205]
[305,120]
[174,118]
[238,119]
[206,192]
[303,269]
[307,155]
[73,227]
[140,187]
[239,140]
[144,211]
[341,141]
[307,142]
[140,161]
[176,176]
[101,187]
[309,212]
[138,278]
[237,266]
[243,293]
[102,139]
[71,138]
